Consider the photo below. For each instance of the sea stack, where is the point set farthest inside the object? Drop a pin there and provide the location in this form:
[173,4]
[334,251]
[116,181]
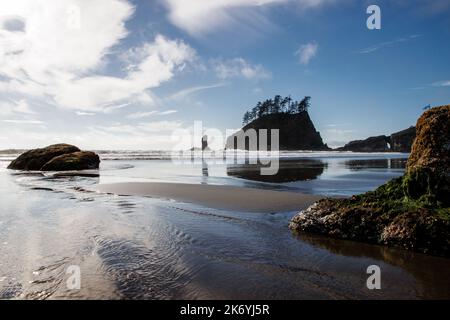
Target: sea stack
[57,157]
[296,132]
[412,211]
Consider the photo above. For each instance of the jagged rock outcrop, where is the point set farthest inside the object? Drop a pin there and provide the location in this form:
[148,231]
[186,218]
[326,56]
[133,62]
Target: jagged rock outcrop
[58,157]
[297,132]
[371,144]
[412,211]
[402,141]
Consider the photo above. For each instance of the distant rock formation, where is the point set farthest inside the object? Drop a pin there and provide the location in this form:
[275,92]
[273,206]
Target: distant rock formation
[412,211]
[401,141]
[58,157]
[297,132]
[372,144]
[205,143]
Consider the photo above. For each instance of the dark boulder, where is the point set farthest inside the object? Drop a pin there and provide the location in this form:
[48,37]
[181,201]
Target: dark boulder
[82,160]
[58,157]
[35,159]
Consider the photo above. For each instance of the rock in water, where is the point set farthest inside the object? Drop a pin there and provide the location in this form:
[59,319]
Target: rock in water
[82,160]
[35,159]
[296,132]
[58,157]
[412,211]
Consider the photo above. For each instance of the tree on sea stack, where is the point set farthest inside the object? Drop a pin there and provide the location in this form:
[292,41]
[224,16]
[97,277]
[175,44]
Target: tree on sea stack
[277,105]
[412,211]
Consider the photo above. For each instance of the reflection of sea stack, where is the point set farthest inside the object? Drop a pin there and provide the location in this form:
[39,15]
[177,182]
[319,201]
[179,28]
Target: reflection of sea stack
[289,171]
[412,211]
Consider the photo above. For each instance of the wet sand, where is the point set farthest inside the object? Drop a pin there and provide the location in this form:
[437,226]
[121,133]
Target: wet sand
[215,196]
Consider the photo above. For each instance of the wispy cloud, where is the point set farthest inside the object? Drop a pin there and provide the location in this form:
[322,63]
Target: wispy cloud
[188,91]
[82,113]
[164,113]
[23,121]
[16,107]
[204,16]
[306,52]
[140,115]
[387,44]
[240,68]
[445,83]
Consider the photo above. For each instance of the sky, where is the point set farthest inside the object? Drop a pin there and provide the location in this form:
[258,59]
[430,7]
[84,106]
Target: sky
[117,74]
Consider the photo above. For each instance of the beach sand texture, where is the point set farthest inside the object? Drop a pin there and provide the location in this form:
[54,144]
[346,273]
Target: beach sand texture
[215,196]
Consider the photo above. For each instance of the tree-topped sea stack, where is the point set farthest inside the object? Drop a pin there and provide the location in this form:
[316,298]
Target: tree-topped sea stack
[291,118]
[57,157]
[412,211]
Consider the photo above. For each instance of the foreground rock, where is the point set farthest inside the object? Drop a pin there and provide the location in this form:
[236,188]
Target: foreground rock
[412,211]
[58,157]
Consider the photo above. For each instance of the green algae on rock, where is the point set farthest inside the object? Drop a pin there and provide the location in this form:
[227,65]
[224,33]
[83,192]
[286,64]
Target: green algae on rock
[412,211]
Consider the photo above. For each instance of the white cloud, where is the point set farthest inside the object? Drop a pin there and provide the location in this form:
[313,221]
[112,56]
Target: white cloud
[23,121]
[188,91]
[239,67]
[203,16]
[445,83]
[82,113]
[306,52]
[60,60]
[140,115]
[16,107]
[385,44]
[164,113]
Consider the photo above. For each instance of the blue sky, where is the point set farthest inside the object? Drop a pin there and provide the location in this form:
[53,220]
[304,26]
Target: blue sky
[115,74]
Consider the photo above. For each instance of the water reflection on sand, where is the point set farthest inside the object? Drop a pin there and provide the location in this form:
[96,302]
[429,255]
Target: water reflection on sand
[138,247]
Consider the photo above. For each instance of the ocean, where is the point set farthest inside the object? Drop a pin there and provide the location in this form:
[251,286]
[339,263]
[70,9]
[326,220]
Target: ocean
[130,247]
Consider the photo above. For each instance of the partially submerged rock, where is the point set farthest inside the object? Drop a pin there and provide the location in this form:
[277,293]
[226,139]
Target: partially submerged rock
[58,157]
[35,159]
[82,160]
[412,211]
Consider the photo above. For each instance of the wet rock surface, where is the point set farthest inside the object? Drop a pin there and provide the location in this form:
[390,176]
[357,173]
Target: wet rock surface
[412,211]
[58,157]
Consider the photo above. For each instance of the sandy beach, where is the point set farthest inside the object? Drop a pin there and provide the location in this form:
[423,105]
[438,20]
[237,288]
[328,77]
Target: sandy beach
[215,196]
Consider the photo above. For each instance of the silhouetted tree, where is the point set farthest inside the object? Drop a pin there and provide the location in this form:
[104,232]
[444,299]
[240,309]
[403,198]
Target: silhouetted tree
[275,106]
[246,118]
[304,104]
